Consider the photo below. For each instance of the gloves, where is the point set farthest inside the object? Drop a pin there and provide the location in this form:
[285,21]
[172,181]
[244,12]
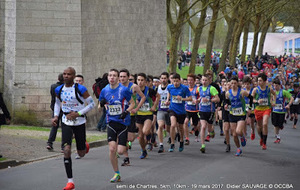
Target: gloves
[124,114]
[102,102]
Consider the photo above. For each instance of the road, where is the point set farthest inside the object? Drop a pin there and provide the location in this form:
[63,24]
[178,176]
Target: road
[274,168]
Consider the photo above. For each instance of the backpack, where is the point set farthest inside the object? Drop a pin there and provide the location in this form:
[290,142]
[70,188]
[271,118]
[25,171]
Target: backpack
[77,92]
[98,86]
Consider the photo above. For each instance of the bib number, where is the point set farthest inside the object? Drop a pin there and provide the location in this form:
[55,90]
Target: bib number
[163,104]
[70,122]
[278,107]
[206,103]
[265,102]
[175,100]
[115,109]
[237,111]
[145,107]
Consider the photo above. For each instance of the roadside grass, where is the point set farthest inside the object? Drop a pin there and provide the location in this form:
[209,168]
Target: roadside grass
[42,133]
[185,71]
[2,159]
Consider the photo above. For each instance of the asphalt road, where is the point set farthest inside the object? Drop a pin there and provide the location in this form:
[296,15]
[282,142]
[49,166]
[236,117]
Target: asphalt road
[278,167]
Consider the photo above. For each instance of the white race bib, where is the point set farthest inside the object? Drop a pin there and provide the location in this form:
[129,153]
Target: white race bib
[70,122]
[145,107]
[265,102]
[175,100]
[163,104]
[190,103]
[206,103]
[237,111]
[278,107]
[115,109]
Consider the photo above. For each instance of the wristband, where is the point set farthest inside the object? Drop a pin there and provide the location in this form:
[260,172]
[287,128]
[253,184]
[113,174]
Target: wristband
[79,113]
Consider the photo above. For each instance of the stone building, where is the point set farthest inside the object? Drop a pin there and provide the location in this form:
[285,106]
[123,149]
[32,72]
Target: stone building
[40,38]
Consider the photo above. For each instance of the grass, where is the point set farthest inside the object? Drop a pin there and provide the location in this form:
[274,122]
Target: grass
[185,71]
[44,136]
[2,159]
[30,128]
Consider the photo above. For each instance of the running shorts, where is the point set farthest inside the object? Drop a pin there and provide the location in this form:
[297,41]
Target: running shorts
[194,116]
[140,119]
[163,116]
[259,114]
[278,119]
[207,116]
[79,133]
[180,118]
[117,131]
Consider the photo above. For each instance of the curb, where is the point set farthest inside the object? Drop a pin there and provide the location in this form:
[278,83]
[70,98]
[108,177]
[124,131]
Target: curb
[12,163]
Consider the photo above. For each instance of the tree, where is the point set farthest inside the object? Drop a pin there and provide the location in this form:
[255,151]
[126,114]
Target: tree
[215,7]
[245,41]
[197,31]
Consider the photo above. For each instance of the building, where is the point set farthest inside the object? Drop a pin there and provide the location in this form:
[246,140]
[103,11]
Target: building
[40,38]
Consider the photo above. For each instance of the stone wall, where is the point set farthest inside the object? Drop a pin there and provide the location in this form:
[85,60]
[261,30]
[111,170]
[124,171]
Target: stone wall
[42,37]
[48,34]
[7,44]
[122,34]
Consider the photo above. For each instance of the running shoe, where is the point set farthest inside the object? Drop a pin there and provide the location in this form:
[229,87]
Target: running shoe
[149,146]
[221,133]
[181,147]
[69,186]
[144,154]
[161,149]
[252,136]
[126,162]
[228,148]
[77,157]
[207,139]
[196,139]
[116,178]
[261,142]
[202,149]
[187,142]
[172,148]
[49,147]
[87,147]
[264,147]
[129,144]
[238,152]
[169,140]
[243,141]
[277,141]
[212,134]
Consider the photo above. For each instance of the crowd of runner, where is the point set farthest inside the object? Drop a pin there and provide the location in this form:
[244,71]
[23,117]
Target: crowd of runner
[174,107]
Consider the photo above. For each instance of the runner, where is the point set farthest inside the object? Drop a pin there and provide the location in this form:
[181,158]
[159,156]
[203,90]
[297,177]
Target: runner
[132,129]
[163,118]
[237,111]
[279,108]
[295,108]
[113,97]
[70,99]
[225,115]
[191,108]
[262,110]
[144,115]
[208,98]
[250,117]
[177,95]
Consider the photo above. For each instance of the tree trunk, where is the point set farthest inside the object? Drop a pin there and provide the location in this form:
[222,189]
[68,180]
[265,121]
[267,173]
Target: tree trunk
[196,42]
[263,37]
[173,51]
[211,35]
[255,36]
[245,41]
[226,45]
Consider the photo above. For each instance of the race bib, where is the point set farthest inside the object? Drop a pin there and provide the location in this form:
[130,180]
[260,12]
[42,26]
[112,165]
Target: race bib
[278,107]
[190,103]
[115,109]
[145,107]
[68,106]
[163,104]
[237,111]
[70,122]
[176,100]
[265,102]
[206,103]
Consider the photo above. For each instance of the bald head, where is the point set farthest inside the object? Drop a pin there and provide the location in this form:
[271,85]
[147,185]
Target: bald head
[69,75]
